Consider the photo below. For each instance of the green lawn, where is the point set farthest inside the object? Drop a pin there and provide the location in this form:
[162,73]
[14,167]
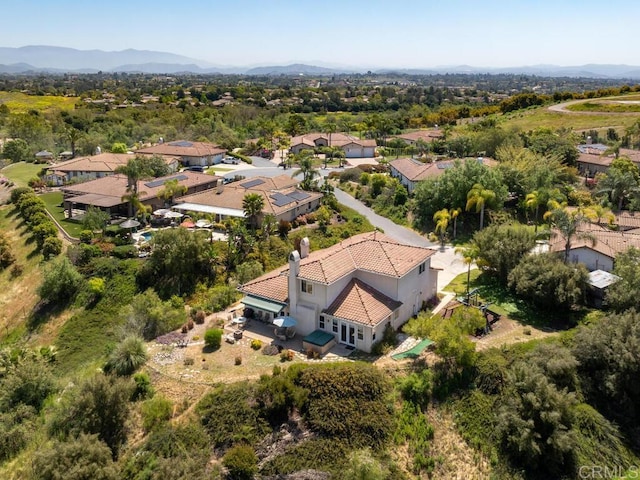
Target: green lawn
[20,173]
[53,201]
[505,302]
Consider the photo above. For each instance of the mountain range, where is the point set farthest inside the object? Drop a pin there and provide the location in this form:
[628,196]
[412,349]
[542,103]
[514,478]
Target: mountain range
[50,59]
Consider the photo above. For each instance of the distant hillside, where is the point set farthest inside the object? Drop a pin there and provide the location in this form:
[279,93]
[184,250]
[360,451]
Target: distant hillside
[47,57]
[295,69]
[43,58]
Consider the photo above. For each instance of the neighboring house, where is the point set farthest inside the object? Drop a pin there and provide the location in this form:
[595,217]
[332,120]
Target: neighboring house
[352,146]
[350,291]
[87,168]
[410,171]
[599,255]
[426,136]
[189,153]
[107,193]
[592,159]
[81,169]
[44,157]
[281,197]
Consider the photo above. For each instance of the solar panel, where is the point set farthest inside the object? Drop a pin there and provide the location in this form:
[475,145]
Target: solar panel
[298,195]
[280,200]
[444,165]
[157,183]
[252,183]
[181,143]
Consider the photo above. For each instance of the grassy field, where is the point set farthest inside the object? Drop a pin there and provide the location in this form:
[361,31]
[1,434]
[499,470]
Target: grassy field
[17,294]
[527,120]
[607,106]
[53,201]
[20,173]
[22,103]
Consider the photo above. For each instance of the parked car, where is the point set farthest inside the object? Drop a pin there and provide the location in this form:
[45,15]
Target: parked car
[197,168]
[231,160]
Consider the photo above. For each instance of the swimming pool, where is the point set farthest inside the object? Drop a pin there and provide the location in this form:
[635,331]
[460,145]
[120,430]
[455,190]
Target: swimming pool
[147,236]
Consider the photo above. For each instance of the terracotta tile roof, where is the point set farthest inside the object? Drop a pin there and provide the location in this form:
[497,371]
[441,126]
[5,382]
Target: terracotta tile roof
[232,195]
[184,148]
[273,285]
[361,303]
[337,140]
[593,156]
[415,170]
[104,162]
[115,186]
[608,242]
[372,252]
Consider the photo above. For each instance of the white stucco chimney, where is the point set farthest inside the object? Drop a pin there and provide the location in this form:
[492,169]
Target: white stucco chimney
[304,247]
[294,270]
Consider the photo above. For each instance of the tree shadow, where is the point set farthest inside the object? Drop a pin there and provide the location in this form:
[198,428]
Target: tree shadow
[41,313]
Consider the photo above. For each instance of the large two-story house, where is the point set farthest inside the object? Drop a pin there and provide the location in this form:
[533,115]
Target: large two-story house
[351,290]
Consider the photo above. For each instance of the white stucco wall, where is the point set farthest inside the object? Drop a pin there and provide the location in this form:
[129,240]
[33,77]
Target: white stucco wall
[591,259]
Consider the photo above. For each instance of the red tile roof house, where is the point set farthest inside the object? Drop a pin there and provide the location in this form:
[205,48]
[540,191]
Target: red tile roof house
[352,146]
[410,171]
[592,158]
[190,153]
[350,291]
[92,167]
[600,255]
[106,193]
[281,198]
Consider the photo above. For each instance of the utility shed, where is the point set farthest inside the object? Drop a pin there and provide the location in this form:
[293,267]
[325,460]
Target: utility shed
[599,281]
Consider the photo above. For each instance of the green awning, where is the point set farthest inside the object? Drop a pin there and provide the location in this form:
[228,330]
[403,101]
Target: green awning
[263,304]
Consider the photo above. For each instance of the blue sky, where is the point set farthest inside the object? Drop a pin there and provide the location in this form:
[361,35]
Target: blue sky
[370,33]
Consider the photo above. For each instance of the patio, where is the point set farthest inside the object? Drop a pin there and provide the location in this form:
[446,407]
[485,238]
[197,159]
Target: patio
[255,329]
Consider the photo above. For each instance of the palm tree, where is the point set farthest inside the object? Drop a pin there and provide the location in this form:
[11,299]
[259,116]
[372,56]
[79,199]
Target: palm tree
[478,198]
[252,205]
[269,225]
[134,172]
[470,254]
[135,204]
[567,224]
[305,162]
[618,186]
[532,202]
[171,189]
[330,127]
[454,212]
[442,217]
[597,213]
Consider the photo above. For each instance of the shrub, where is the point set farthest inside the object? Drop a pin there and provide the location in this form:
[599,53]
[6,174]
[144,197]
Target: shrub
[286,355]
[387,342]
[51,247]
[188,361]
[16,270]
[86,236]
[17,193]
[184,328]
[238,360]
[125,251]
[61,282]
[155,412]
[143,388]
[190,325]
[241,462]
[256,344]
[416,388]
[213,338]
[200,317]
[7,257]
[129,356]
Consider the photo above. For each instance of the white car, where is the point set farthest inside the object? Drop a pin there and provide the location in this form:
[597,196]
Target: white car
[231,160]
